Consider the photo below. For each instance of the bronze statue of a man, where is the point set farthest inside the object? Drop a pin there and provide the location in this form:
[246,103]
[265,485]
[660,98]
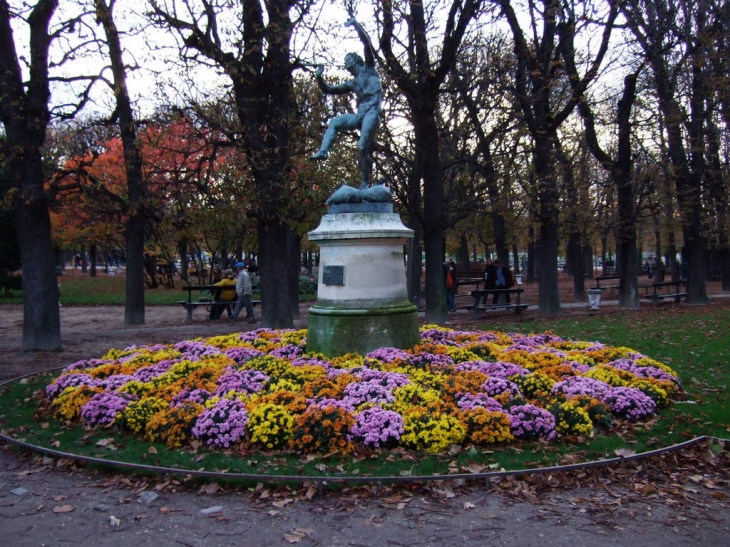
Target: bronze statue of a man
[368,90]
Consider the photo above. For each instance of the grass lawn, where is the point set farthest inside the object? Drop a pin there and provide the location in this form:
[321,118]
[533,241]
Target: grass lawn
[79,289]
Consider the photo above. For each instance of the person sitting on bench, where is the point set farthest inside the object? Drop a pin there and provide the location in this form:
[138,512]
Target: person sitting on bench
[224,295]
[498,276]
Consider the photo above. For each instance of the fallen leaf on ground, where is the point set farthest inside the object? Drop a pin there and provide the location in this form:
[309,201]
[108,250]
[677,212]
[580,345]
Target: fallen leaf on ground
[63,508]
[298,534]
[282,503]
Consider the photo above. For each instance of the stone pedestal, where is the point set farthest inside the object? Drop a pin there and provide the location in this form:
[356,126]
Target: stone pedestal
[362,298]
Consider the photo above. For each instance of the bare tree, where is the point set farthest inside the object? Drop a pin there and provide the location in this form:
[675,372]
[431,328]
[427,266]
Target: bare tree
[676,38]
[420,77]
[25,112]
[134,311]
[539,82]
[255,56]
[620,167]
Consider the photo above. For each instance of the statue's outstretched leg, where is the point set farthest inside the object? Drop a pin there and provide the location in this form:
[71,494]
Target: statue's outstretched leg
[327,141]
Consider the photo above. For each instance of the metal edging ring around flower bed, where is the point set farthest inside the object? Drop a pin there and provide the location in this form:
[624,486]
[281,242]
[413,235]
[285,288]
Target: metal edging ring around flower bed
[322,480]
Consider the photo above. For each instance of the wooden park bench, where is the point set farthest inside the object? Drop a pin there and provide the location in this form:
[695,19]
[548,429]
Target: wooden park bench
[482,301]
[469,278]
[612,286]
[204,300]
[667,289]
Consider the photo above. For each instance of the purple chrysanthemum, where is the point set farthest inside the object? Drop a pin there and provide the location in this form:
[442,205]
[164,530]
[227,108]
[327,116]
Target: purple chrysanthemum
[86,364]
[70,380]
[103,408]
[116,381]
[391,380]
[152,371]
[630,403]
[222,424]
[643,371]
[467,401]
[377,427]
[498,369]
[573,386]
[496,386]
[245,381]
[388,355]
[191,395]
[241,355]
[368,392]
[531,422]
[289,351]
[193,350]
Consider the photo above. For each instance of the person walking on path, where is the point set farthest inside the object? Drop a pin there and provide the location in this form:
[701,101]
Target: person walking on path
[243,289]
[451,285]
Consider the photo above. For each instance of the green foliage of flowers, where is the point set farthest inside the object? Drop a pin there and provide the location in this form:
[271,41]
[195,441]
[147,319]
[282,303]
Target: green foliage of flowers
[598,411]
[453,388]
[270,425]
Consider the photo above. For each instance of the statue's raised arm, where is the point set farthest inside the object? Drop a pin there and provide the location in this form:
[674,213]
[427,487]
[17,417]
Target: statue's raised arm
[368,91]
[367,45]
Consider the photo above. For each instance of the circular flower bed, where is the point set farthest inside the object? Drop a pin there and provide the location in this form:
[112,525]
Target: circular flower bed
[263,390]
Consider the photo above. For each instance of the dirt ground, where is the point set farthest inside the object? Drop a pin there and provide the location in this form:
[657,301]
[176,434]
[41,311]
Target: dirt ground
[677,499]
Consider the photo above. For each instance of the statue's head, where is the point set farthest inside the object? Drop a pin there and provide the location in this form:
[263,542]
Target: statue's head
[352,60]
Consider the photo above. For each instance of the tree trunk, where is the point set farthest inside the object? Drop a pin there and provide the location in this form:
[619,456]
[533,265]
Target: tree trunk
[94,257]
[294,253]
[426,137]
[531,253]
[24,115]
[415,265]
[41,319]
[464,251]
[548,294]
[276,311]
[135,230]
[134,312]
[627,257]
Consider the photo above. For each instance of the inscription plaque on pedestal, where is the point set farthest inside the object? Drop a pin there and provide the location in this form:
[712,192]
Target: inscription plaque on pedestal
[333,275]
